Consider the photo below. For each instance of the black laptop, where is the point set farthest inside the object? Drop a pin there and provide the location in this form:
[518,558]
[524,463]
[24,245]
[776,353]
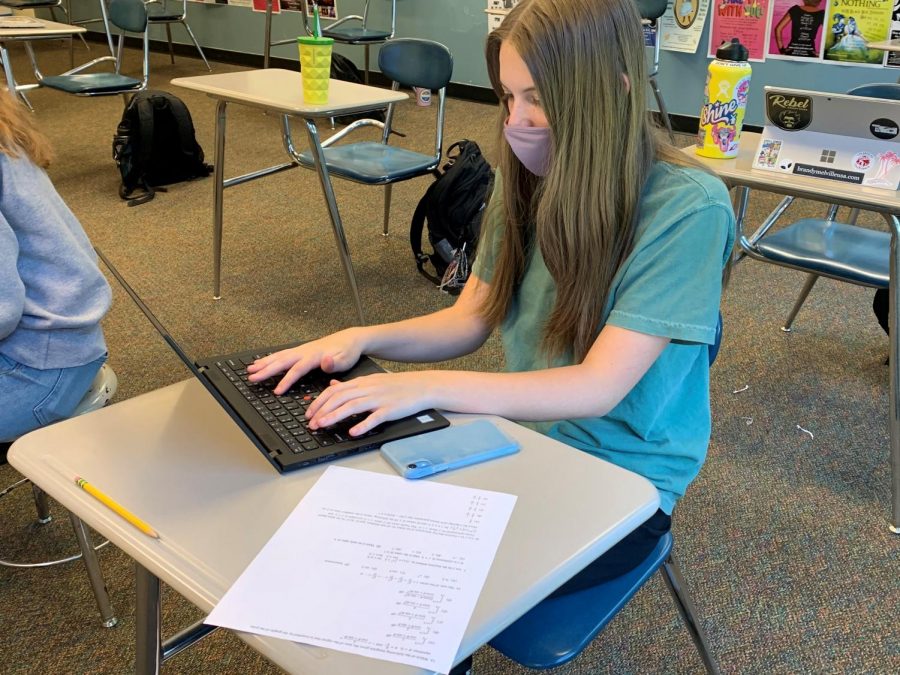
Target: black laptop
[277,424]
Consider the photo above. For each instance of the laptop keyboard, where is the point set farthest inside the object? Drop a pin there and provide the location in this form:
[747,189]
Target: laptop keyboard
[285,414]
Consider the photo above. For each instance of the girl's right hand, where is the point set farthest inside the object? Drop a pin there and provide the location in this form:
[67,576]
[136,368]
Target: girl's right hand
[334,353]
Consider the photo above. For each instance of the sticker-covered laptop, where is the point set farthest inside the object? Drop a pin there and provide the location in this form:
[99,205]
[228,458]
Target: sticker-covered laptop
[851,139]
[276,424]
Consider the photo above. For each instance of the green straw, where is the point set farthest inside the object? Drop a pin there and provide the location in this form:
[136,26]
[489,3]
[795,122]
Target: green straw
[316,21]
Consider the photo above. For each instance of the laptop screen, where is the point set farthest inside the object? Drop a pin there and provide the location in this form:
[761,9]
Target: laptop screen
[852,139]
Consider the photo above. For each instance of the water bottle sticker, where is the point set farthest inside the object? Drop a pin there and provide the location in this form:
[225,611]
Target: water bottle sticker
[791,112]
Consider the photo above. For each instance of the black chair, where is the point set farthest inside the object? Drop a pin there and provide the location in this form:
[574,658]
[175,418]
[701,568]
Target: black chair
[409,62]
[826,247]
[651,11]
[127,15]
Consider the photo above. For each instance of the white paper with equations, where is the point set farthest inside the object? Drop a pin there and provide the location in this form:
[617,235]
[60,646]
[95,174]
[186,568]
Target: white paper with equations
[375,565]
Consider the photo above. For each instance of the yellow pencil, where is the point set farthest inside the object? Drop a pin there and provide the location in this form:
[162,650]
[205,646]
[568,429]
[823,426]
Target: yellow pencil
[121,510]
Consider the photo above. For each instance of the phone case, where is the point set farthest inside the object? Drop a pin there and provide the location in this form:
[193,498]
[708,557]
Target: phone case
[450,448]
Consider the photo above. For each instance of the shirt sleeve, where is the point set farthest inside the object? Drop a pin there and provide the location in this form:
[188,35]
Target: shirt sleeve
[12,290]
[672,285]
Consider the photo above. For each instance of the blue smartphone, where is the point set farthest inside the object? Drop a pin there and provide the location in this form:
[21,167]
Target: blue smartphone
[450,448]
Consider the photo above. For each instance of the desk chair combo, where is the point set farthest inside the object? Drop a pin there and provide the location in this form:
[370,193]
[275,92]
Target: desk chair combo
[102,389]
[162,16]
[651,11]
[127,15]
[825,247]
[351,30]
[408,62]
[558,629]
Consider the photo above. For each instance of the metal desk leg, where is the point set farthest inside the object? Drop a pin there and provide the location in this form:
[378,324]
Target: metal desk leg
[148,646]
[10,80]
[218,195]
[894,321]
[89,555]
[267,45]
[337,227]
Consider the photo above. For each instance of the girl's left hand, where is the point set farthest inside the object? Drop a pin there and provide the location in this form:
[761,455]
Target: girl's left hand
[385,396]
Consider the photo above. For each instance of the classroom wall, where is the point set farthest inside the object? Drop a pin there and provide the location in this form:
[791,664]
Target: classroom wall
[462,26]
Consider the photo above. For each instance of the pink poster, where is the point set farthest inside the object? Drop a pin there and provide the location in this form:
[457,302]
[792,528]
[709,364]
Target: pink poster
[742,19]
[797,29]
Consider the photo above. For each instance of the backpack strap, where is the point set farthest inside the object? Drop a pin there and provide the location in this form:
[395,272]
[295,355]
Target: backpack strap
[416,227]
[145,125]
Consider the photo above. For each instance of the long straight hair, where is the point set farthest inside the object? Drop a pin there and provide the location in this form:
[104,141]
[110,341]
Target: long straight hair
[582,215]
[18,133]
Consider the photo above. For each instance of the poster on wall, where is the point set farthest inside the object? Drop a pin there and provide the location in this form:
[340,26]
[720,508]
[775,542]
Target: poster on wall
[892,59]
[853,23]
[682,24]
[260,6]
[798,29]
[746,20]
[327,8]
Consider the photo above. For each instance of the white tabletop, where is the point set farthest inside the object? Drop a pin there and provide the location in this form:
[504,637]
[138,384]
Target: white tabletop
[175,459]
[282,91]
[48,29]
[739,171]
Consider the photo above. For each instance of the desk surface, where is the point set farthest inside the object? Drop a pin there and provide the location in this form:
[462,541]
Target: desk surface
[738,171]
[48,29]
[174,458]
[281,91]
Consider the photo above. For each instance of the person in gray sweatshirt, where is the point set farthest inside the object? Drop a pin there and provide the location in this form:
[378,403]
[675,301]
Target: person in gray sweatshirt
[52,294]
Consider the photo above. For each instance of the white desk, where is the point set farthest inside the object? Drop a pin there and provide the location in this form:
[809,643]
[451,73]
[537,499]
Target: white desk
[280,91]
[49,30]
[176,459]
[737,173]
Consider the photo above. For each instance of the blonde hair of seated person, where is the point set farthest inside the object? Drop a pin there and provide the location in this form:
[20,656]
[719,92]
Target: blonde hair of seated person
[586,58]
[19,134]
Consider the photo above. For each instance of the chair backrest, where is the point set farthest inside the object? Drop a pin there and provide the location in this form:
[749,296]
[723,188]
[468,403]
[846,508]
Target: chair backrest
[129,15]
[414,62]
[888,90]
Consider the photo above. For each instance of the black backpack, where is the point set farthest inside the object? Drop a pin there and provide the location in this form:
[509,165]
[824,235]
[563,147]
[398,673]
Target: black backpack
[452,207]
[155,145]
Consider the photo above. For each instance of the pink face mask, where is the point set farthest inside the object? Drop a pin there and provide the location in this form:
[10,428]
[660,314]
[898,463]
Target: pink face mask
[532,145]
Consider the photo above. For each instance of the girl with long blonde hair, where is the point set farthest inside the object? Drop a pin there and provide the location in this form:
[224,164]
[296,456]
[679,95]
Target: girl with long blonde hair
[52,295]
[601,262]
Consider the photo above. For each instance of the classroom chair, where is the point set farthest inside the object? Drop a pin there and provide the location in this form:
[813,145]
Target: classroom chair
[102,389]
[355,30]
[558,629]
[127,15]
[826,247]
[408,62]
[167,18]
[651,11]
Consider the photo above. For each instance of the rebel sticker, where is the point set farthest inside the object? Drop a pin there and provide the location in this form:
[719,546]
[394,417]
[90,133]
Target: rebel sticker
[789,112]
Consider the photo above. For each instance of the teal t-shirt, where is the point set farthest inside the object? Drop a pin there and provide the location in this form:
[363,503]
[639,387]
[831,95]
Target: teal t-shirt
[670,285]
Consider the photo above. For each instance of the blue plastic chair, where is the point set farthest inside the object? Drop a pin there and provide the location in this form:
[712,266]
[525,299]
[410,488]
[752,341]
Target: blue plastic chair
[408,62]
[558,629]
[825,247]
[166,17]
[129,16]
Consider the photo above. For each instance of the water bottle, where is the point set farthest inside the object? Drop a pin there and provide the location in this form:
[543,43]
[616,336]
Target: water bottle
[727,88]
